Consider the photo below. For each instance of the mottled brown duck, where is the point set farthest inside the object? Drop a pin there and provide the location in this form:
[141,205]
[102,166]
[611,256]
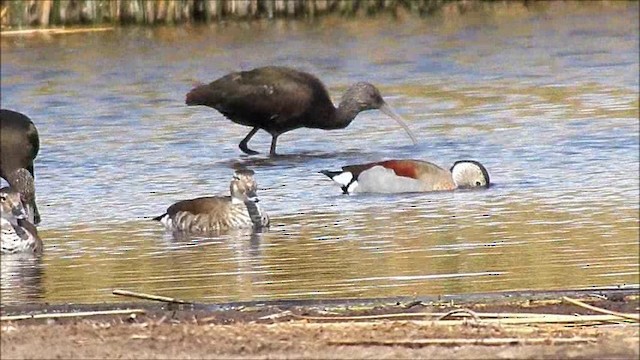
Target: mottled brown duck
[215,213]
[18,234]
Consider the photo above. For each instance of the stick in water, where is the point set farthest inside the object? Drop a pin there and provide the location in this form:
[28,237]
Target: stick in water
[149,297]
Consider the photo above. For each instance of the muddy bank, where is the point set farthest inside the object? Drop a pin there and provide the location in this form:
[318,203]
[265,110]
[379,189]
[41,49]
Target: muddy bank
[620,298]
[296,339]
[351,329]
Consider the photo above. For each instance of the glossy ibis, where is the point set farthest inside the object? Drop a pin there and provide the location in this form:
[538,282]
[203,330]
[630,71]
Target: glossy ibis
[18,234]
[214,213]
[280,99]
[396,176]
[19,145]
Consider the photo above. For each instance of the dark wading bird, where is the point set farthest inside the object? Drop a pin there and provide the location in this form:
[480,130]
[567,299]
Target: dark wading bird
[19,145]
[280,99]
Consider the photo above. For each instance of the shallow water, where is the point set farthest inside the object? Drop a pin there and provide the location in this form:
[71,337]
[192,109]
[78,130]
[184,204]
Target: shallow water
[546,100]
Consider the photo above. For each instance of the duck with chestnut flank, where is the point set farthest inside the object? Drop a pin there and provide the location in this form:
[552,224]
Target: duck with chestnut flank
[279,99]
[397,176]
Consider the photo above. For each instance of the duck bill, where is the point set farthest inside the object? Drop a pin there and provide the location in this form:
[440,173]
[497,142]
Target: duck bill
[386,109]
[252,196]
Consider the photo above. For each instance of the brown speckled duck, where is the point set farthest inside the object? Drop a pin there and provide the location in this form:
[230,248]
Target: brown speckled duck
[18,234]
[215,213]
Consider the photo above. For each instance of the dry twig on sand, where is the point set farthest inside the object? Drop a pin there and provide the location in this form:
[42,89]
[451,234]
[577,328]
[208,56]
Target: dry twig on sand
[457,312]
[601,310]
[53,31]
[149,297]
[483,318]
[70,315]
[459,342]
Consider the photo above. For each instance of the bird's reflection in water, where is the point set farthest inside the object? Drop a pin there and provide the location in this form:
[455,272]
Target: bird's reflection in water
[290,160]
[235,238]
[237,258]
[21,278]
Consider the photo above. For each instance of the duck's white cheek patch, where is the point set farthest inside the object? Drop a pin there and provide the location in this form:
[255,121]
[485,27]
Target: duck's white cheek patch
[343,179]
[236,201]
[352,187]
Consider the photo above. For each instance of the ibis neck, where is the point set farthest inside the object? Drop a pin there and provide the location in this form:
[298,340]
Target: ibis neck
[344,115]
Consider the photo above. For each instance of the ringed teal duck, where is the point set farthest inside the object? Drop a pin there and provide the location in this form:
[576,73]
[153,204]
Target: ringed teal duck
[396,176]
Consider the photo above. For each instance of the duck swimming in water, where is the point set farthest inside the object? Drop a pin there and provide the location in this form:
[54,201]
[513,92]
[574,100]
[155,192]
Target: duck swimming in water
[397,176]
[18,234]
[215,213]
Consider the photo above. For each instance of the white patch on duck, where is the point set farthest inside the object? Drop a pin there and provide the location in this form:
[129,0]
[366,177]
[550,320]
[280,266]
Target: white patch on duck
[166,221]
[236,201]
[352,187]
[343,179]
[15,238]
[382,180]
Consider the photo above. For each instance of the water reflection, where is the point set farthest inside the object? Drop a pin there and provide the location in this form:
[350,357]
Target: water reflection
[252,237]
[547,101]
[21,276]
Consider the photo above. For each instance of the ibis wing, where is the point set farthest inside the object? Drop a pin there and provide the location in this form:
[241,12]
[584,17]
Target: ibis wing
[261,96]
[19,140]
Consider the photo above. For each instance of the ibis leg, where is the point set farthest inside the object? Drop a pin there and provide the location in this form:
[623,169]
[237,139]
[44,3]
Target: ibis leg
[243,143]
[36,213]
[274,139]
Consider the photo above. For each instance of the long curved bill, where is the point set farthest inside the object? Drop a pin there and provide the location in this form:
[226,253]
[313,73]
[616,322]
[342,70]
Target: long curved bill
[386,109]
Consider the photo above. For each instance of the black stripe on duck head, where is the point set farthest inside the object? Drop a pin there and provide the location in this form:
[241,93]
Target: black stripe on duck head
[11,205]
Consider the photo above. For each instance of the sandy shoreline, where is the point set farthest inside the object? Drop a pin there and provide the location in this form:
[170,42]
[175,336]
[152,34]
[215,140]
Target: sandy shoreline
[377,329]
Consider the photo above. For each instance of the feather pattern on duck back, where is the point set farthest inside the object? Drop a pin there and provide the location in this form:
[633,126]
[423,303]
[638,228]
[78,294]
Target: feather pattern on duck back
[18,235]
[208,214]
[215,213]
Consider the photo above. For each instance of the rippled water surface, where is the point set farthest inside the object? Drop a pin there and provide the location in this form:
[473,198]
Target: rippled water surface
[546,99]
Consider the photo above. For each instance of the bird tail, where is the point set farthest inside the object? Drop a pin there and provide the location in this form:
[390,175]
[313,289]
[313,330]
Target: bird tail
[329,173]
[159,218]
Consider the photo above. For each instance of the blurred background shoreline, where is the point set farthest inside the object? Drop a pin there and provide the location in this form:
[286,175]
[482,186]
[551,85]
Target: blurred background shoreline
[26,14]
